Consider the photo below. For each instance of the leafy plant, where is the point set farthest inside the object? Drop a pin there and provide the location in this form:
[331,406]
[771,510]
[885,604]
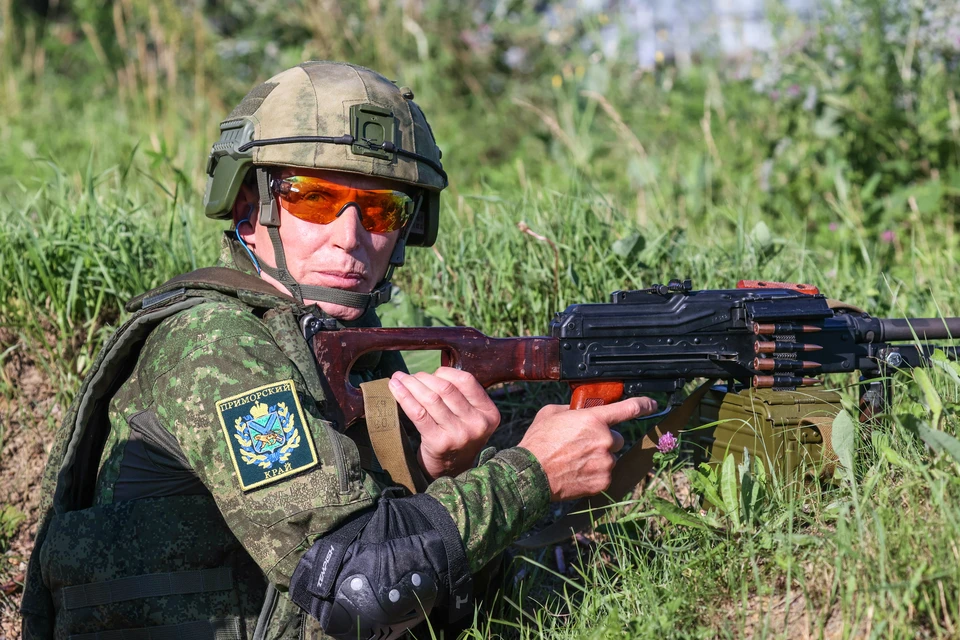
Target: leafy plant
[740,493]
[10,520]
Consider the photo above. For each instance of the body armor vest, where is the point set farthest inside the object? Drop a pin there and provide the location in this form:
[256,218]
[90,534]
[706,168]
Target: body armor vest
[166,567]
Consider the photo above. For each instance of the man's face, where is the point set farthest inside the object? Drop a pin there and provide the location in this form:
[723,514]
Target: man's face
[341,254]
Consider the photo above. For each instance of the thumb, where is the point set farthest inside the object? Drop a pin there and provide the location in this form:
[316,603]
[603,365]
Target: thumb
[624,410]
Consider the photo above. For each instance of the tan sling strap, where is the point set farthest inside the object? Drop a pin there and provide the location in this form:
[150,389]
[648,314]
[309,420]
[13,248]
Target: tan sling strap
[631,470]
[387,438]
[828,457]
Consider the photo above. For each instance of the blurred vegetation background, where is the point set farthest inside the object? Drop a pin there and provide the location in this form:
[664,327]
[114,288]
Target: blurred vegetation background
[847,130]
[833,158]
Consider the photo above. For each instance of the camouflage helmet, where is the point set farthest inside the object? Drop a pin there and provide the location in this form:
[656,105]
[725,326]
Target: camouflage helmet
[329,115]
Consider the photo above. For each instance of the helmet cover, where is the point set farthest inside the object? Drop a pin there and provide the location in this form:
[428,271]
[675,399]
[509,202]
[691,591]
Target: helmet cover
[371,127]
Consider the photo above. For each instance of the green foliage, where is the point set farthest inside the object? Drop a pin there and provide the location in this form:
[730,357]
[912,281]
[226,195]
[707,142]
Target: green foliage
[740,493]
[10,520]
[843,437]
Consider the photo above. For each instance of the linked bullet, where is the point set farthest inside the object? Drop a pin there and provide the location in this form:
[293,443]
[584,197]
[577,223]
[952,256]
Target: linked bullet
[771,364]
[773,329]
[783,382]
[763,346]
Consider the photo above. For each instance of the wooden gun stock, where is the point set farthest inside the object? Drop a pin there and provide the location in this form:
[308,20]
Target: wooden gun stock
[490,360]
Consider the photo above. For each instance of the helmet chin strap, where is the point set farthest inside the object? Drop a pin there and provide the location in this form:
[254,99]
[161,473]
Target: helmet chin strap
[270,218]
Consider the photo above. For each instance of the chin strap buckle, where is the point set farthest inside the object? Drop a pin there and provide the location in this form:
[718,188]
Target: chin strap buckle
[311,325]
[381,294]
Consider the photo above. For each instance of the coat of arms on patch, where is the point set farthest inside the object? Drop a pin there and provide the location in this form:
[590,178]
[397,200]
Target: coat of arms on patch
[266,434]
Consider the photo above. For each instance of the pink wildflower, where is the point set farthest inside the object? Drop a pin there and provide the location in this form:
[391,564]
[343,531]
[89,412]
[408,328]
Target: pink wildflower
[887,236]
[834,226]
[667,443]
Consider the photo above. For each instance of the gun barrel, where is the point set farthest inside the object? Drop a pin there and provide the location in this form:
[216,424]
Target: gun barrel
[924,328]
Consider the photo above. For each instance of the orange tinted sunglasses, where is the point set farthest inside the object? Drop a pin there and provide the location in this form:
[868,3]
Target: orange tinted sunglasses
[321,201]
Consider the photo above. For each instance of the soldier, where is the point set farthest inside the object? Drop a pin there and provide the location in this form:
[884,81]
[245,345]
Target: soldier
[199,486]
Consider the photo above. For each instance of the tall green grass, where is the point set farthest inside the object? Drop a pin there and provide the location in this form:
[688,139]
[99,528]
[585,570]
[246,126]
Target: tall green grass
[573,176]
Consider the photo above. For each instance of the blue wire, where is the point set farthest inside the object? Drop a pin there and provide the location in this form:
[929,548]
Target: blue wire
[236,232]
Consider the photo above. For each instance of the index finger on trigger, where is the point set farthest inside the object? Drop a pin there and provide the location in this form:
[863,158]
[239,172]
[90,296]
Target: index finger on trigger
[624,410]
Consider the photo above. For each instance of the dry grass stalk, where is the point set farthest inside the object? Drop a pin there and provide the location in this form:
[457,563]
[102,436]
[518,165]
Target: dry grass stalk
[634,143]
[551,123]
[525,228]
[95,44]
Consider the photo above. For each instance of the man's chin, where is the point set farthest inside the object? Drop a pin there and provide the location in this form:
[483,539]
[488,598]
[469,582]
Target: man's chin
[338,311]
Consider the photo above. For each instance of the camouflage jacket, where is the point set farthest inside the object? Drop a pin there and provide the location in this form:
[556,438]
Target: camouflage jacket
[226,404]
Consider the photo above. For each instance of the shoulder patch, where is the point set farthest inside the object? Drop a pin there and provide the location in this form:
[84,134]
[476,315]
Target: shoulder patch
[266,434]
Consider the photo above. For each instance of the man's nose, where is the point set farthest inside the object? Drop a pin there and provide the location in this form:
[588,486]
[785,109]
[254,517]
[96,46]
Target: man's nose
[346,229]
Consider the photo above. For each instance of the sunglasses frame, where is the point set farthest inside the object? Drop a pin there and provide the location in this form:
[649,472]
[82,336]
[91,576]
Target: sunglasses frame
[409,204]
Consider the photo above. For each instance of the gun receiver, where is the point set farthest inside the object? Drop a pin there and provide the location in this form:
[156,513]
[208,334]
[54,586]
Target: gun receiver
[761,334]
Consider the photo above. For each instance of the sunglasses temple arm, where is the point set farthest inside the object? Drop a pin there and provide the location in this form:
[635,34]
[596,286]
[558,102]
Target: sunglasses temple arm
[398,257]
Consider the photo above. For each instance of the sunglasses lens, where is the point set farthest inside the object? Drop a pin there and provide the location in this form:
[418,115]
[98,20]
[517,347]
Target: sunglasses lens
[382,212]
[310,199]
[319,201]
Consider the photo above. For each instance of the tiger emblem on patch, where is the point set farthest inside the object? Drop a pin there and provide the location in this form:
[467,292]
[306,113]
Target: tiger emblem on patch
[267,436]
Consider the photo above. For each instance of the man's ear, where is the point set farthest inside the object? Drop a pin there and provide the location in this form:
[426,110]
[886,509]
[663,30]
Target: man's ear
[245,210]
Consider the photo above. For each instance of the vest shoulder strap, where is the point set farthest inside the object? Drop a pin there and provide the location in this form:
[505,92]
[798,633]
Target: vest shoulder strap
[228,281]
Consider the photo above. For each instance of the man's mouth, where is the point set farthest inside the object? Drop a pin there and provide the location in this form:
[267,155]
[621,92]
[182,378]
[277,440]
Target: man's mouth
[350,280]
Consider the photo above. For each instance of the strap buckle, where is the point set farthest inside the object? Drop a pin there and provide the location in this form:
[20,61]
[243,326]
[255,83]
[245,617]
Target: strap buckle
[381,294]
[311,325]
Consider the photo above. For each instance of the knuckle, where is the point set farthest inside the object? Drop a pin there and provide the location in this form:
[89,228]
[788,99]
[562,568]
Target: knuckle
[444,444]
[446,388]
[477,424]
[432,397]
[459,374]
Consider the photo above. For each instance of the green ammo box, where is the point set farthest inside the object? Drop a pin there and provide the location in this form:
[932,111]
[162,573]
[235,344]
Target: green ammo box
[788,430]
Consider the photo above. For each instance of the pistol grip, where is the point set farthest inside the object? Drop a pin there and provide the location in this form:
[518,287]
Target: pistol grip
[595,394]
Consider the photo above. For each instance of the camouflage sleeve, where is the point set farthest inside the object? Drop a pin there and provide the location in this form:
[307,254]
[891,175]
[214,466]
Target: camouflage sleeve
[495,503]
[280,474]
[240,410]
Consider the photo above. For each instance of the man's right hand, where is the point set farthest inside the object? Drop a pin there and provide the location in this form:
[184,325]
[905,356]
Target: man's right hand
[576,447]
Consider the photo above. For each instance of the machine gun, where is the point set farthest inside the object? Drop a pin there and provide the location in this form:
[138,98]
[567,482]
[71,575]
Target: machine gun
[761,334]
